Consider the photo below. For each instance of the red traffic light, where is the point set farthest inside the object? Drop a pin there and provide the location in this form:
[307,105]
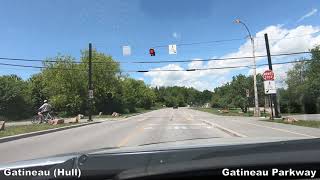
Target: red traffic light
[152,52]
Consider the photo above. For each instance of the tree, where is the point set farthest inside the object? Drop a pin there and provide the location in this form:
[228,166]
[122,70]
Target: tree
[233,94]
[106,82]
[64,85]
[303,80]
[313,82]
[137,94]
[239,85]
[14,98]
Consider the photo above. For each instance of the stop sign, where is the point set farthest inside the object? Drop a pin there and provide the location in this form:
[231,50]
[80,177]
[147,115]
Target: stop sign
[268,75]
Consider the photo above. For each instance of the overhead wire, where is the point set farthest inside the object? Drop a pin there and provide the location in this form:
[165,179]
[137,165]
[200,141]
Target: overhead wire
[163,70]
[162,61]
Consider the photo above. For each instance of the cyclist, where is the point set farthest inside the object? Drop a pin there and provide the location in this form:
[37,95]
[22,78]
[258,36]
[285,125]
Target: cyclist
[44,109]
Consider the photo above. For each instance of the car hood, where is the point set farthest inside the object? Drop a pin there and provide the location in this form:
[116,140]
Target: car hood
[194,143]
[159,146]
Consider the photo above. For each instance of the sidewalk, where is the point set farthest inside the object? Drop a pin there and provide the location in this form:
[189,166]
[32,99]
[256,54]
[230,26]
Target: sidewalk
[66,120]
[306,117]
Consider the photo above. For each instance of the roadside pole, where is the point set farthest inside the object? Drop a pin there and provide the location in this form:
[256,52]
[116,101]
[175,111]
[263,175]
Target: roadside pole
[273,96]
[90,92]
[271,106]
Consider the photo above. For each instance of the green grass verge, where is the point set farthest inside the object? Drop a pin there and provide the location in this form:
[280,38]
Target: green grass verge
[20,129]
[308,123]
[232,112]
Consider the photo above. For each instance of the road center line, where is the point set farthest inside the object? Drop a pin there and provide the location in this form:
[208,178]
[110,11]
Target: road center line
[130,136]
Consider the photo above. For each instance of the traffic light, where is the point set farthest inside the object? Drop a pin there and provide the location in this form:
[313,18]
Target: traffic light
[152,52]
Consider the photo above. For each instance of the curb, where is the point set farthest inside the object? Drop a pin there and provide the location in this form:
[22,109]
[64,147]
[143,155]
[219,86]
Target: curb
[226,130]
[36,133]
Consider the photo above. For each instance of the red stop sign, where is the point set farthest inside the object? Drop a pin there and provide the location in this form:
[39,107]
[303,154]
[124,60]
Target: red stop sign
[268,75]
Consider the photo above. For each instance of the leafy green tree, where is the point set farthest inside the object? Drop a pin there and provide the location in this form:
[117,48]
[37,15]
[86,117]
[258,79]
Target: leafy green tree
[15,100]
[137,94]
[64,84]
[106,81]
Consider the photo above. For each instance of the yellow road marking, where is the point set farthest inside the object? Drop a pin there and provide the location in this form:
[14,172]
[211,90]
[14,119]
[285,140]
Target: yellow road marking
[130,136]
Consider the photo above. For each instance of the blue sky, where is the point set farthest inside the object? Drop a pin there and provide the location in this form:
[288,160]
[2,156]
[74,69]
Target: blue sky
[36,29]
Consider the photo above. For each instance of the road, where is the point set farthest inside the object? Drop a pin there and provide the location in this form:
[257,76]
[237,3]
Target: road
[156,126]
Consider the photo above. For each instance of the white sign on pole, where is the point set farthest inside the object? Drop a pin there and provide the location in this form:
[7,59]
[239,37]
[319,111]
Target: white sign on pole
[90,94]
[270,87]
[172,49]
[247,93]
[126,50]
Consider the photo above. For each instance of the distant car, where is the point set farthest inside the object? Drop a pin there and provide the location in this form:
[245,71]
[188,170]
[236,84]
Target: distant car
[175,107]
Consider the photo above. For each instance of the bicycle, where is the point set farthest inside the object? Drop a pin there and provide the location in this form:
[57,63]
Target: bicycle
[46,117]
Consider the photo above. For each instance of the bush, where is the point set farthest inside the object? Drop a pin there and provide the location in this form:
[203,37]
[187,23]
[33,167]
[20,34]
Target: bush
[126,111]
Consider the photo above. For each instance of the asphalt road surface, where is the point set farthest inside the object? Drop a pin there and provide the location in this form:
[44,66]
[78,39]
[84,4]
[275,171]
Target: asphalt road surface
[163,125]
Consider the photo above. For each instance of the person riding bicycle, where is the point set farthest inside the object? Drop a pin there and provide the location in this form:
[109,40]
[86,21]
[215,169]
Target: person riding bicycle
[44,109]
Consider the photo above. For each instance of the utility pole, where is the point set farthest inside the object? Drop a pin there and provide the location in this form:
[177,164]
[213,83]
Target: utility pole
[256,98]
[256,101]
[90,92]
[273,96]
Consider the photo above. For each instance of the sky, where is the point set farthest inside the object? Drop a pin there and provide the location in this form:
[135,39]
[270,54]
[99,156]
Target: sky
[38,29]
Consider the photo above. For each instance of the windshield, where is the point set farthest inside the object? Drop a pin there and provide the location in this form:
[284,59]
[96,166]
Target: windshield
[77,76]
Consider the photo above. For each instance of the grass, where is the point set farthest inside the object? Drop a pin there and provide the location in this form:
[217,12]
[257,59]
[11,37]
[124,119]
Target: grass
[308,123]
[290,114]
[20,129]
[232,112]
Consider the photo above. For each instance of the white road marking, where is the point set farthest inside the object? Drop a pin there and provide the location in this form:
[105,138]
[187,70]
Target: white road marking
[143,119]
[179,126]
[283,130]
[224,129]
[183,124]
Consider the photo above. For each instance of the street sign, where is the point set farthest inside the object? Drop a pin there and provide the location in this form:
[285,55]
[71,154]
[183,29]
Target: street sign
[268,75]
[126,50]
[270,87]
[172,49]
[247,93]
[90,94]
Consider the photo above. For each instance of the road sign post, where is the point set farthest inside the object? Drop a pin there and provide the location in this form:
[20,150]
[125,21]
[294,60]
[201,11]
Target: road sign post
[271,105]
[273,96]
[90,95]
[269,87]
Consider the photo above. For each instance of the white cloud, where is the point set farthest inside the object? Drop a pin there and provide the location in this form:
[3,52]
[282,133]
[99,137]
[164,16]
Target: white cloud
[311,13]
[198,79]
[141,78]
[281,40]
